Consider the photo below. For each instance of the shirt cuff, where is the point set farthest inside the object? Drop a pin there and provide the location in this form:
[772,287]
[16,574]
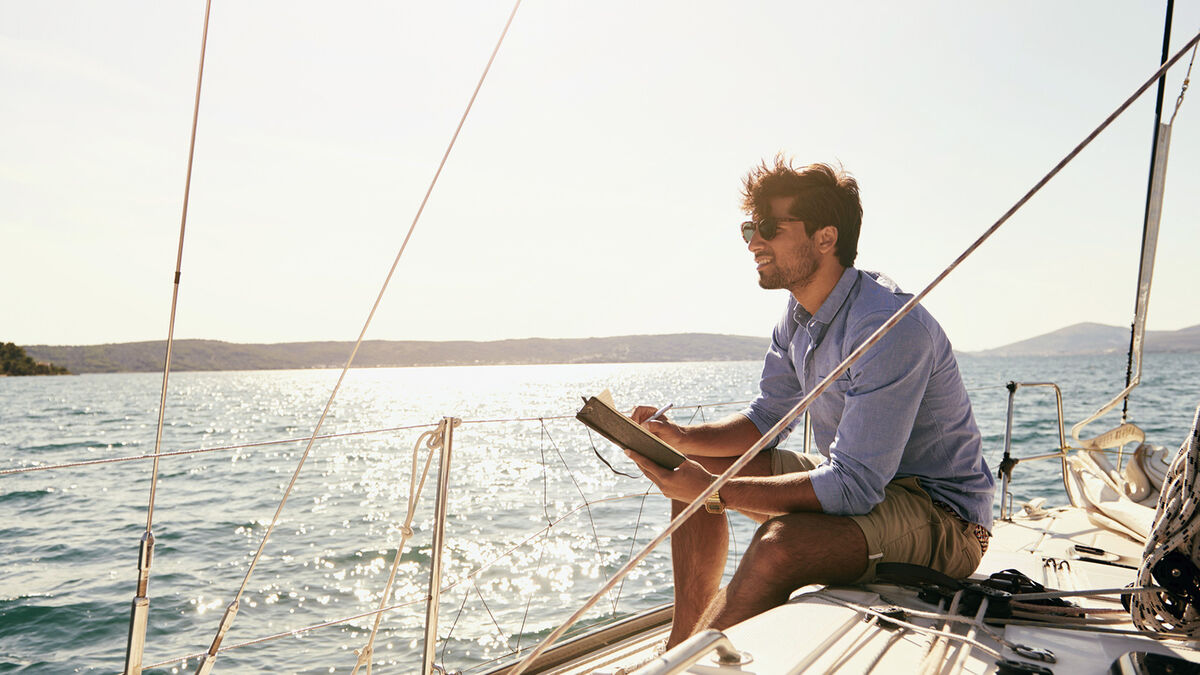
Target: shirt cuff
[764,424]
[827,486]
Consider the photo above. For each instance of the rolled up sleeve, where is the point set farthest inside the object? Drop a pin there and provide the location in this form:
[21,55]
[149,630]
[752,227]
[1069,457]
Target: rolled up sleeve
[881,403]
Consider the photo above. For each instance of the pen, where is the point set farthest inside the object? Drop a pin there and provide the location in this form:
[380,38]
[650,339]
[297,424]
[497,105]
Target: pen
[659,413]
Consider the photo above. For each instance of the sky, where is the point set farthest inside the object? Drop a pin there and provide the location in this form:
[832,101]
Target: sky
[594,189]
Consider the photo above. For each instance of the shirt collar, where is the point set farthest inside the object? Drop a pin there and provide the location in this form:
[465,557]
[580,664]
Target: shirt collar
[829,308]
[837,297]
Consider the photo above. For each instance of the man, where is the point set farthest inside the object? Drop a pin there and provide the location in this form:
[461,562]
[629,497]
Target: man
[903,480]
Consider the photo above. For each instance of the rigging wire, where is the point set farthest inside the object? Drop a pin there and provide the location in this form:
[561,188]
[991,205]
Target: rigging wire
[1187,79]
[232,610]
[820,388]
[301,439]
[140,610]
[199,451]
[187,191]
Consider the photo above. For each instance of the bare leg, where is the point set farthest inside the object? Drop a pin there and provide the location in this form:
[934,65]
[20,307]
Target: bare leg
[698,552]
[788,552]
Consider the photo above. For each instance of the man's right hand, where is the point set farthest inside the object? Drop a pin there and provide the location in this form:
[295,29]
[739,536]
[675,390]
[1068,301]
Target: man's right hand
[671,433]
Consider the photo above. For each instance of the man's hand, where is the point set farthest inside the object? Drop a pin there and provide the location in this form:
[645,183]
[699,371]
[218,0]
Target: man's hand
[662,427]
[683,484]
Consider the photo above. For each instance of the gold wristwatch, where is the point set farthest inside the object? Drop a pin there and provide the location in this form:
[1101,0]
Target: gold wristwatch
[714,504]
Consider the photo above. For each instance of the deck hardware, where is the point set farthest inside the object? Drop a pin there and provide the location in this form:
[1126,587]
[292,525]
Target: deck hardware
[1010,667]
[139,615]
[1043,655]
[885,614]
[1009,462]
[1102,561]
[999,602]
[210,659]
[691,650]
[1178,574]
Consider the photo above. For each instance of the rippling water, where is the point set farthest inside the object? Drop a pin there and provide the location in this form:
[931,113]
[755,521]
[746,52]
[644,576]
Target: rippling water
[536,521]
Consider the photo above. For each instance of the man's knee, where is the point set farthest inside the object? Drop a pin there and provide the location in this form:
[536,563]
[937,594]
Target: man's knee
[808,548]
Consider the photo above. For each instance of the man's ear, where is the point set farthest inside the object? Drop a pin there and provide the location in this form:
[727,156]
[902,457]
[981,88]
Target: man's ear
[826,238]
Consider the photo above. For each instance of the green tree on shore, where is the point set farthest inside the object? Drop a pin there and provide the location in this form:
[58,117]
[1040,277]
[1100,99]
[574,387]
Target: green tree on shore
[14,361]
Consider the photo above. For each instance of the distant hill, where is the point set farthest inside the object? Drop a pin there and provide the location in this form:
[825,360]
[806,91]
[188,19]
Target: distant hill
[14,361]
[217,355]
[1095,338]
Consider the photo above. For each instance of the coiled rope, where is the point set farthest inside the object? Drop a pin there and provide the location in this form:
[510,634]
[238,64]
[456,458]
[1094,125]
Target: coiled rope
[1175,529]
[432,440]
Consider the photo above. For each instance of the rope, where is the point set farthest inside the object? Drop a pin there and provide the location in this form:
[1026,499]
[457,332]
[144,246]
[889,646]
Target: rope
[1175,530]
[933,632]
[433,441]
[820,388]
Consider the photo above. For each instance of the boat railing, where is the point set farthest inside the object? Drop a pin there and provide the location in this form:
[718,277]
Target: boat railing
[445,451]
[1009,462]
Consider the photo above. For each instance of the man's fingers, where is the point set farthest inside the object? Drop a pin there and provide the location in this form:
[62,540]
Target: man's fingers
[647,465]
[642,413]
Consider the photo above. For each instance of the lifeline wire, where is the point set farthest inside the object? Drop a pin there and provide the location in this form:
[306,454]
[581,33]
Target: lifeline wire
[232,609]
[470,576]
[803,403]
[282,441]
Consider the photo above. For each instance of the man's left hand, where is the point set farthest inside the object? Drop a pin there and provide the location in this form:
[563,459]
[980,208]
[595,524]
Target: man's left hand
[683,484]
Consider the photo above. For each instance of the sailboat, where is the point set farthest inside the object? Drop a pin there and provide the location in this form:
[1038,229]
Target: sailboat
[846,608]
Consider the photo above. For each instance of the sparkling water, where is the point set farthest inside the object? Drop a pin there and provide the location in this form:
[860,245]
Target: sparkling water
[536,521]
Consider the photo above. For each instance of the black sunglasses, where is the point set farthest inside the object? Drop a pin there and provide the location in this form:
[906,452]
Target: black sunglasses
[767,227]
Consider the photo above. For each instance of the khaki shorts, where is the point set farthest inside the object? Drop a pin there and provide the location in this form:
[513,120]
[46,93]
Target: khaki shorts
[905,527]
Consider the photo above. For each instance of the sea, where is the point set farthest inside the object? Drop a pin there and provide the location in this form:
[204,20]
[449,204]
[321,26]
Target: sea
[537,520]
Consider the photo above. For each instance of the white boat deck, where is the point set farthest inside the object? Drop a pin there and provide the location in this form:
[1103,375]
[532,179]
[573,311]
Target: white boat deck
[815,633]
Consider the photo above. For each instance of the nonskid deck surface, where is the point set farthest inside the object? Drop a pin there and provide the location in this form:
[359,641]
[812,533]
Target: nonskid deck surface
[823,630]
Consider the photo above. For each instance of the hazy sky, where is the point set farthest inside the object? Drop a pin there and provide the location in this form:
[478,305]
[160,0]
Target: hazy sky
[594,189]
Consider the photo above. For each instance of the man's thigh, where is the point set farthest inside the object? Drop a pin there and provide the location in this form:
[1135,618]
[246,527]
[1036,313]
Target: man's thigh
[908,527]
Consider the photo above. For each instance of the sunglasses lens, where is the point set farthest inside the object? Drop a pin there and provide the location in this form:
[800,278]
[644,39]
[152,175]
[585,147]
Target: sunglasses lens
[766,228]
[748,231]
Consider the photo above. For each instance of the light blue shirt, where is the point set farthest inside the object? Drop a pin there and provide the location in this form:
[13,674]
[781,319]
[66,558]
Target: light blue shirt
[900,410]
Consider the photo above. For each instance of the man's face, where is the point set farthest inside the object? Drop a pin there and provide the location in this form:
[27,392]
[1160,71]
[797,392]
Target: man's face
[789,260]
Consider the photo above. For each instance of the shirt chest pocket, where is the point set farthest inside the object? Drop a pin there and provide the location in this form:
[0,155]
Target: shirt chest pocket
[840,385]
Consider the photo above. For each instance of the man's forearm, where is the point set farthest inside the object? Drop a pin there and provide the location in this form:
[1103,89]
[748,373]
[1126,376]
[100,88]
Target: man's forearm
[771,495]
[724,438]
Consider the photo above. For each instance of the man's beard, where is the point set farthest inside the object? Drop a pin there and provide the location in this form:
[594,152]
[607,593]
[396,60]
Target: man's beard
[801,270]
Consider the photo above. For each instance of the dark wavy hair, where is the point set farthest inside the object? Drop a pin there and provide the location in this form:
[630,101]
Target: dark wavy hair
[825,197]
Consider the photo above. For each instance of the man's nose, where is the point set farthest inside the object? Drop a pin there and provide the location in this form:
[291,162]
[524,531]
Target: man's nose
[756,241]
